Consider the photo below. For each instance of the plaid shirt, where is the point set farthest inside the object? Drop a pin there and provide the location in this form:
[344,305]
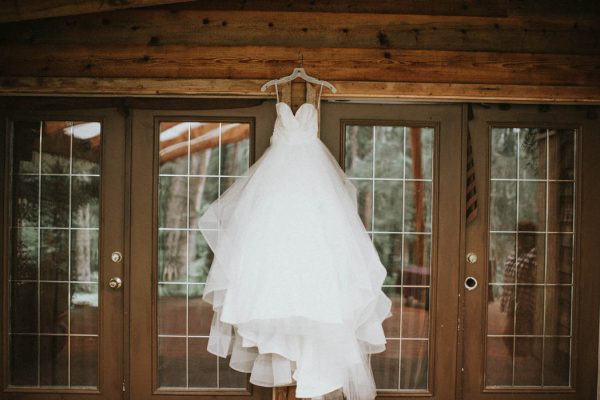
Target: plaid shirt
[525,268]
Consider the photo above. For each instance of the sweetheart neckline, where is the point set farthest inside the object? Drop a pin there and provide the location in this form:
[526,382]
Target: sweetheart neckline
[294,114]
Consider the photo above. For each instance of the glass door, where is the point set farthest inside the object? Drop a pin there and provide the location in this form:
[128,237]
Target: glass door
[181,162]
[62,232]
[530,327]
[403,159]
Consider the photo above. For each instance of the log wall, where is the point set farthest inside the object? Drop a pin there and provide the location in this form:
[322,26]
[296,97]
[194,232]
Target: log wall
[496,50]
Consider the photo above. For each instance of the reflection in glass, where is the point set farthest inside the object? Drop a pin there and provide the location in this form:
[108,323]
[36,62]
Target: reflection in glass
[24,360]
[502,246]
[55,204]
[561,162]
[359,151]
[171,309]
[561,196]
[415,312]
[202,365]
[414,364]
[503,206]
[557,361]
[388,206]
[532,153]
[392,169]
[532,212]
[25,200]
[503,155]
[419,152]
[499,361]
[365,201]
[528,361]
[558,310]
[172,362]
[84,361]
[386,366]
[560,258]
[389,151]
[391,325]
[84,308]
[54,360]
[54,254]
[389,247]
[417,260]
[417,212]
[198,161]
[24,253]
[500,317]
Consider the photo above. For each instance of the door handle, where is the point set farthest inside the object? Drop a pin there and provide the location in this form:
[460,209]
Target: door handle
[115,282]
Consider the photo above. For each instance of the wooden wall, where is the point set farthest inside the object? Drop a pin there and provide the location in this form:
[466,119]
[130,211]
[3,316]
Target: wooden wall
[494,50]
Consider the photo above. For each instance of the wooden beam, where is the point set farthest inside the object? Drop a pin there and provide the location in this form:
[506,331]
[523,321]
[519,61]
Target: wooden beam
[156,27]
[21,10]
[255,62]
[250,88]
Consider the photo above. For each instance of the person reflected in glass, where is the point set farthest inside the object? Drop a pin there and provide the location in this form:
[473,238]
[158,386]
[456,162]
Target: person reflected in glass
[520,268]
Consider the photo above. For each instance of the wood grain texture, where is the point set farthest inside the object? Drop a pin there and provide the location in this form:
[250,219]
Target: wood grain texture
[256,62]
[20,10]
[250,88]
[157,27]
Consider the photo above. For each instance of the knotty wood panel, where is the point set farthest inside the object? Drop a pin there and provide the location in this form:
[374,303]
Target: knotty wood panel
[157,27]
[254,62]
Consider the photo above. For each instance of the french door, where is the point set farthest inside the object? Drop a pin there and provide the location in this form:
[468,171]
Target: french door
[63,246]
[531,276]
[104,264]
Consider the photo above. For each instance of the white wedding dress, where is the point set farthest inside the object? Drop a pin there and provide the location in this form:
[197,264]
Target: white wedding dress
[295,283]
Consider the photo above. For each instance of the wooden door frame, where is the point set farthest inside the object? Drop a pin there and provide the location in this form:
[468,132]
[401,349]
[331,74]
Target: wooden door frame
[111,343]
[585,298]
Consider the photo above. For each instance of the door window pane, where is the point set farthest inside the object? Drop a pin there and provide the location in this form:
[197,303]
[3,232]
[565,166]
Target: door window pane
[532,200]
[392,169]
[55,214]
[199,160]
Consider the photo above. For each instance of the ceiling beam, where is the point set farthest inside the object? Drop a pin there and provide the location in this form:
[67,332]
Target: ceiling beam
[23,10]
[250,88]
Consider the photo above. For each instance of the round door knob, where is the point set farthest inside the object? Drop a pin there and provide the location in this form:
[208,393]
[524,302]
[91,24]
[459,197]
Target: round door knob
[471,258]
[115,282]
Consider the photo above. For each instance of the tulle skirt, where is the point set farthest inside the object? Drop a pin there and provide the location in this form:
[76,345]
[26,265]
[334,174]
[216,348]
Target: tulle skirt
[295,282]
